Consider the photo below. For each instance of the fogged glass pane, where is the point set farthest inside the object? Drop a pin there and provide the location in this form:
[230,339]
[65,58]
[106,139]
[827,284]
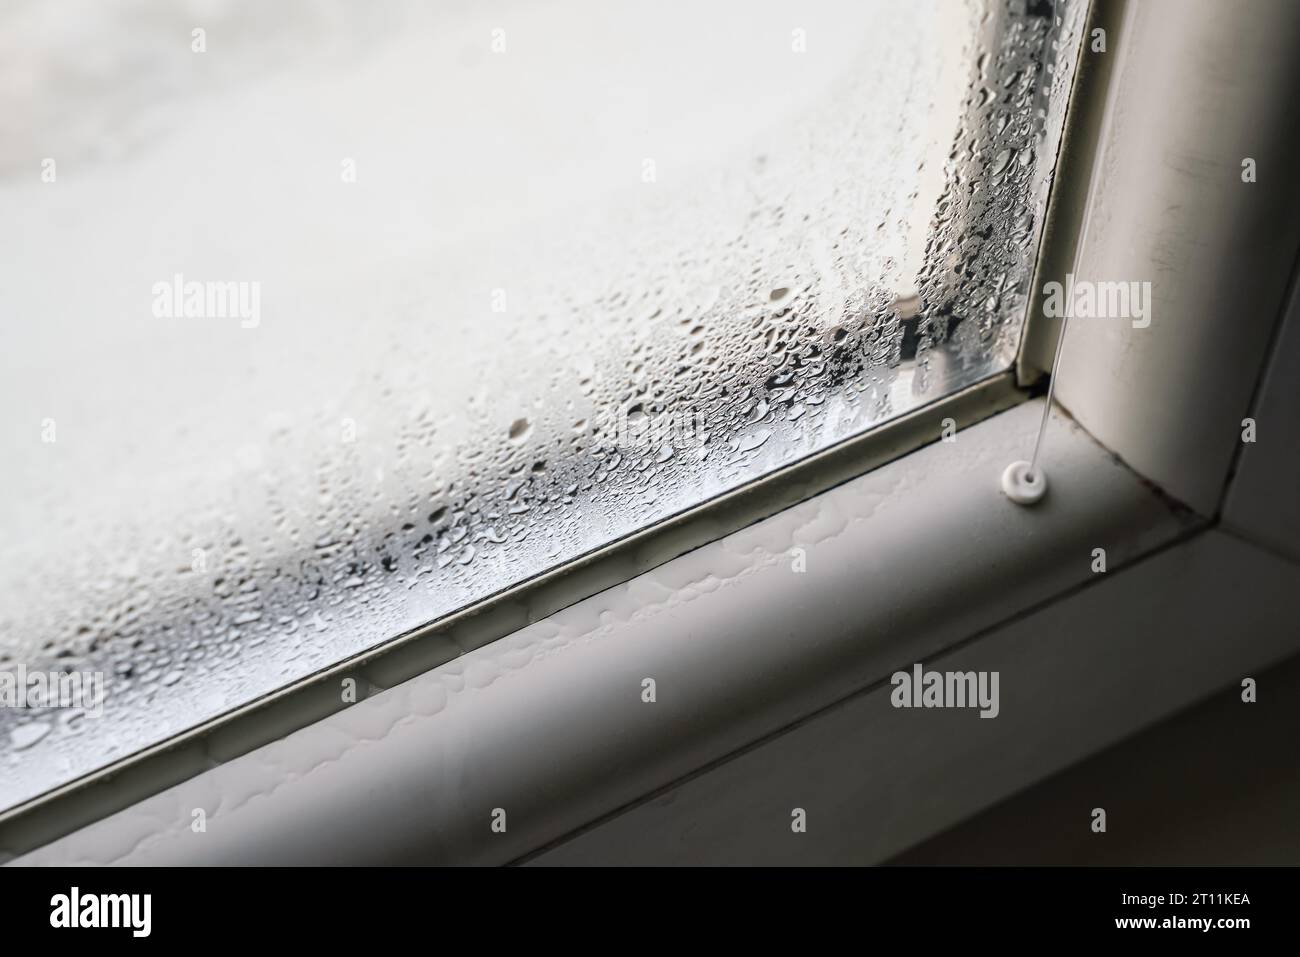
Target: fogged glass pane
[322,320]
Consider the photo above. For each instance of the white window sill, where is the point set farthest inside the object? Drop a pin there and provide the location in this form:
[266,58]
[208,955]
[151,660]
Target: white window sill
[916,557]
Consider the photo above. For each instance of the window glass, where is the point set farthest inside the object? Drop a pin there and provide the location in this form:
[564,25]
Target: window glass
[322,320]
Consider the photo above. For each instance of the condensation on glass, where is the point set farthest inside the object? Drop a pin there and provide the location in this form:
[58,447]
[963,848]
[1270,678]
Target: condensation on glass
[364,312]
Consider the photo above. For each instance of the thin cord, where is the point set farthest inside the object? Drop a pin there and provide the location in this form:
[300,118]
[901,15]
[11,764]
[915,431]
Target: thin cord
[1032,474]
[1093,181]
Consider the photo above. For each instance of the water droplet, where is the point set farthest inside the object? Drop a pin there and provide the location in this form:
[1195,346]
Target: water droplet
[520,430]
[26,735]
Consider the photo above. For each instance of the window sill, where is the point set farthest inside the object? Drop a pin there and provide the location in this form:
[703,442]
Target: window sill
[549,722]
